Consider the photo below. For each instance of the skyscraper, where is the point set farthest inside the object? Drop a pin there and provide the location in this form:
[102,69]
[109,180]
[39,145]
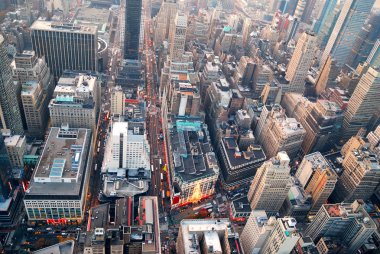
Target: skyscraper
[318,179]
[276,132]
[326,14]
[363,103]
[361,171]
[348,222]
[374,56]
[347,27]
[365,41]
[177,36]
[10,115]
[164,18]
[301,62]
[271,184]
[76,102]
[256,231]
[65,46]
[36,81]
[132,21]
[283,238]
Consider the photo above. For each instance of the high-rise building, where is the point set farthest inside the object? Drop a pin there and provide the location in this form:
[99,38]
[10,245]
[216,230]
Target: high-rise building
[65,46]
[58,189]
[365,41]
[76,101]
[271,184]
[374,56]
[164,18]
[349,222]
[283,238]
[309,8]
[256,231]
[16,148]
[126,156]
[297,203]
[244,72]
[318,179]
[177,37]
[325,17]
[346,29]
[327,76]
[129,147]
[10,114]
[207,236]
[246,30]
[301,62]
[132,19]
[5,167]
[363,104]
[36,82]
[276,132]
[117,100]
[300,9]
[361,171]
[322,121]
[193,166]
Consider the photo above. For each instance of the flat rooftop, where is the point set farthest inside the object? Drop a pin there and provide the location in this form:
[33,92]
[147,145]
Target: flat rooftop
[29,88]
[190,147]
[63,27]
[66,247]
[242,205]
[61,167]
[254,155]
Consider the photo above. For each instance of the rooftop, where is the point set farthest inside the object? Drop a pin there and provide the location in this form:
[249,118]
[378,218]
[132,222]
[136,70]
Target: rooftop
[254,153]
[29,88]
[14,141]
[355,211]
[61,167]
[194,230]
[66,247]
[242,205]
[317,160]
[63,27]
[192,152]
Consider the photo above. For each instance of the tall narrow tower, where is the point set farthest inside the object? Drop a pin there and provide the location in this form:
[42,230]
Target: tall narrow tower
[132,28]
[301,62]
[364,102]
[164,18]
[346,30]
[177,36]
[10,115]
[271,184]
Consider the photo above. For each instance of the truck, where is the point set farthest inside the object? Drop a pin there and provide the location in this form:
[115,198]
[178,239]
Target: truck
[162,177]
[160,162]
[96,167]
[163,194]
[151,167]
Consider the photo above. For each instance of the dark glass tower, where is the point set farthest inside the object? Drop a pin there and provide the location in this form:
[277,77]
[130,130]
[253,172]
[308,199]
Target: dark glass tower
[10,116]
[132,29]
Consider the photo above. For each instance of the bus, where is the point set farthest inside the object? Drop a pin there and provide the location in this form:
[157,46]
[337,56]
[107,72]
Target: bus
[160,162]
[163,194]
